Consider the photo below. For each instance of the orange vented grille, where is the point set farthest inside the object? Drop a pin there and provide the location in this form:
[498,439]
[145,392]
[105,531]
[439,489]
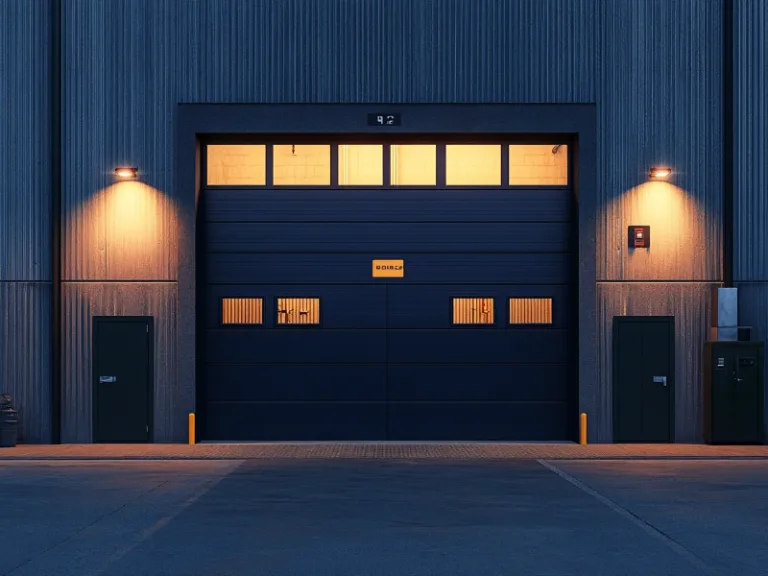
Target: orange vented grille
[530,310]
[298,310]
[241,311]
[473,310]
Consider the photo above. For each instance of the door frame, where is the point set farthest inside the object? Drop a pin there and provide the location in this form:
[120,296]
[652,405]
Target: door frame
[620,320]
[149,321]
[195,123]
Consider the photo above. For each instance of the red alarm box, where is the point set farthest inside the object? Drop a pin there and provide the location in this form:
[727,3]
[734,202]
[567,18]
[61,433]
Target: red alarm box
[639,237]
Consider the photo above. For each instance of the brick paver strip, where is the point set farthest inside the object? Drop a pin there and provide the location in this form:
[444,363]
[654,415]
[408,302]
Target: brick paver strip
[385,450]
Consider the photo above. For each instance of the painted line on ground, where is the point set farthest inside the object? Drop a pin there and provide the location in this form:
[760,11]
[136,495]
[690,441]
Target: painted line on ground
[162,522]
[703,567]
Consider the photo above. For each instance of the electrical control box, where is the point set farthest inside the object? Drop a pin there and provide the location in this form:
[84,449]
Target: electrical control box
[734,392]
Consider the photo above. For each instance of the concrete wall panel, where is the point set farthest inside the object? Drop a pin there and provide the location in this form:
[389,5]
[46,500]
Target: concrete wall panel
[84,300]
[689,303]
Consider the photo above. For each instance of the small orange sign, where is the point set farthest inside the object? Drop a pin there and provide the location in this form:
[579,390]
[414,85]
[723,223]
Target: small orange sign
[388,268]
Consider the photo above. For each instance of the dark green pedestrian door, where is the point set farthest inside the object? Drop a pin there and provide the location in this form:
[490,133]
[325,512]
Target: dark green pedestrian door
[643,378]
[122,348]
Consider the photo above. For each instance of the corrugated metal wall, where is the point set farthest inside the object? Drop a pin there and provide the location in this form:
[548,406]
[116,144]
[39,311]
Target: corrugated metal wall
[652,66]
[154,53]
[25,224]
[659,103]
[750,157]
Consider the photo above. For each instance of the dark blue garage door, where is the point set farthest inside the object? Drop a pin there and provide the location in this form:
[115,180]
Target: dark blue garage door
[299,340]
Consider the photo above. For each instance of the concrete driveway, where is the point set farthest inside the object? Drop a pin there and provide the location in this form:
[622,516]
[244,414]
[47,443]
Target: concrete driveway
[384,517]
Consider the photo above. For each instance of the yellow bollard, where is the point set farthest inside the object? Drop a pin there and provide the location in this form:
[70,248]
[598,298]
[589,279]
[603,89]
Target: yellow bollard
[583,429]
[191,428]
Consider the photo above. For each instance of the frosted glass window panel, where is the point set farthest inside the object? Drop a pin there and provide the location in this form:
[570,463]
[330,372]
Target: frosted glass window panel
[301,165]
[413,164]
[538,165]
[473,165]
[236,165]
[361,164]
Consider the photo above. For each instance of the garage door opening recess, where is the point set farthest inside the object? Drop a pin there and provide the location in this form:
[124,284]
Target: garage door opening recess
[413,287]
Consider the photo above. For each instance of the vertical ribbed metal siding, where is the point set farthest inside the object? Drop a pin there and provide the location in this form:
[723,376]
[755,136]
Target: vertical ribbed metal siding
[25,158]
[118,99]
[82,301]
[130,61]
[659,102]
[25,223]
[659,92]
[652,66]
[750,154]
[382,50]
[25,352]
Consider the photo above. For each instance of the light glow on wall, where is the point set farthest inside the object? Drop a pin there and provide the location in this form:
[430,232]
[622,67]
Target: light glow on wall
[679,225]
[125,231]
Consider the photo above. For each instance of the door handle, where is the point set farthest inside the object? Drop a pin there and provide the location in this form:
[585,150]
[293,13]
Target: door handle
[660,380]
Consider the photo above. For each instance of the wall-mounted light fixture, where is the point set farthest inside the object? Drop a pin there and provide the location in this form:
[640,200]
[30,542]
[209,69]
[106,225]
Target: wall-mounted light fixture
[126,172]
[659,173]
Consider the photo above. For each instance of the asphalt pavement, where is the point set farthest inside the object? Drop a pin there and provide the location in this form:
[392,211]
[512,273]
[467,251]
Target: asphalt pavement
[308,517]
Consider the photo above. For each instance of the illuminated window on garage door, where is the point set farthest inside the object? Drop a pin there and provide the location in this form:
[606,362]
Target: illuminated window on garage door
[298,311]
[530,310]
[413,164]
[538,165]
[236,165]
[241,311]
[361,164]
[473,164]
[301,165]
[473,310]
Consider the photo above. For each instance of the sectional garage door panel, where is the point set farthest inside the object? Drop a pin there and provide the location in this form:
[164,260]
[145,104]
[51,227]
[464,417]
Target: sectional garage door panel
[415,206]
[403,237]
[290,382]
[386,358]
[420,268]
[287,421]
[471,382]
[477,346]
[295,345]
[527,421]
